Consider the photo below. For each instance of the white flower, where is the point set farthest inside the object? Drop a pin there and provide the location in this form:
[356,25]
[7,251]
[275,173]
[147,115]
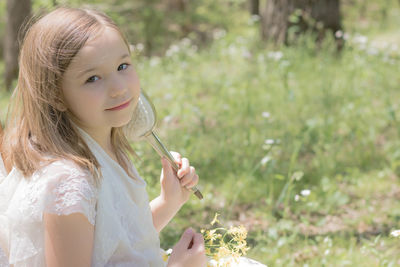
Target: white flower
[269,141]
[219,33]
[372,51]
[394,47]
[140,46]
[196,109]
[360,39]
[275,55]
[213,263]
[186,42]
[173,49]
[284,64]
[395,233]
[154,61]
[296,198]
[168,119]
[305,192]
[265,160]
[339,34]
[266,114]
[184,65]
[232,49]
[246,53]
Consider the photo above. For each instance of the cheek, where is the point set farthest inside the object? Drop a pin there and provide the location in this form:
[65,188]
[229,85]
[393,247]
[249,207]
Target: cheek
[133,80]
[85,103]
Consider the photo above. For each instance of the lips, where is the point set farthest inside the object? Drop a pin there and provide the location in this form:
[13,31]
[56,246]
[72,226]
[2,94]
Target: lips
[123,105]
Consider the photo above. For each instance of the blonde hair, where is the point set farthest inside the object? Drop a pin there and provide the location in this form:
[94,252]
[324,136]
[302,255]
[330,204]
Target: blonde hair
[37,126]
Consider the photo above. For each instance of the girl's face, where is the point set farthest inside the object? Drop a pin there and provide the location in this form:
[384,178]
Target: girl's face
[99,78]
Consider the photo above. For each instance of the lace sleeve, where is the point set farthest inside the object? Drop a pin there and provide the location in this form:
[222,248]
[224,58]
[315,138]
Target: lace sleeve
[70,189]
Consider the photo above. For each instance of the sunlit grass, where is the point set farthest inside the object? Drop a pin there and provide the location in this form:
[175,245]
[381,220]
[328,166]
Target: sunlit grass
[249,119]
[300,144]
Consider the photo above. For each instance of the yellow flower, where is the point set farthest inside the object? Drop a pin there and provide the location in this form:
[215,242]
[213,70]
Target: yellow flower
[222,253]
[165,257]
[239,233]
[215,220]
[225,246]
[166,254]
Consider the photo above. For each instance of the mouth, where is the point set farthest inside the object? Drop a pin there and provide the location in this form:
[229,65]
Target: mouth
[122,106]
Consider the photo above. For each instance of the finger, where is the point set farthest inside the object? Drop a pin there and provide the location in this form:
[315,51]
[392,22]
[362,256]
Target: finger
[184,169]
[193,182]
[177,157]
[186,238]
[166,166]
[198,242]
[188,177]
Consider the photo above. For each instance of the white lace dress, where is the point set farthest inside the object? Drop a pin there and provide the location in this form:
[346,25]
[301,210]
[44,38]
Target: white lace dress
[119,209]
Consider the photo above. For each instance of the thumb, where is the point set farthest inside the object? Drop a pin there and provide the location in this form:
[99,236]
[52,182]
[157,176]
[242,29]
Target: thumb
[186,238]
[198,242]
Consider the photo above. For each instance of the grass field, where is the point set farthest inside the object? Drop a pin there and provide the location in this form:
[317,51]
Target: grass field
[299,144]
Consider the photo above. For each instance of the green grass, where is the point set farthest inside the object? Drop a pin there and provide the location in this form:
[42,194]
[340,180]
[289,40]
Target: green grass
[334,121]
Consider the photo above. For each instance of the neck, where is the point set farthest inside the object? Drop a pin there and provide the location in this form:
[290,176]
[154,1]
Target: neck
[102,137]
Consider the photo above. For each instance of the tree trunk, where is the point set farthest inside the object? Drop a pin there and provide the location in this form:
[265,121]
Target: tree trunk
[177,5]
[18,11]
[255,7]
[315,15]
[275,20]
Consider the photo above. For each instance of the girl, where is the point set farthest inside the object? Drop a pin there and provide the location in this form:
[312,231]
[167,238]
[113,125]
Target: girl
[69,195]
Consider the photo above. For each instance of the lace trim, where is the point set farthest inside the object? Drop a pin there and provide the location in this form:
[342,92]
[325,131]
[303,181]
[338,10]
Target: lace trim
[73,190]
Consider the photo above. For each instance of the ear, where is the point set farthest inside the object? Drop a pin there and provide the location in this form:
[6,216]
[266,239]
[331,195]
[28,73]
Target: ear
[61,107]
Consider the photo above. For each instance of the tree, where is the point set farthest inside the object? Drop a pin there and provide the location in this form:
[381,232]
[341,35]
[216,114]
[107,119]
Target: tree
[255,7]
[177,5]
[18,11]
[316,15]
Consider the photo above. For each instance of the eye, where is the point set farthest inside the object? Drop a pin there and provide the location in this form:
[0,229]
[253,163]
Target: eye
[92,79]
[123,66]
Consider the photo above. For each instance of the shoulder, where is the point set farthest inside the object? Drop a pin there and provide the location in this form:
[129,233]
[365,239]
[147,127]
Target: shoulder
[69,188]
[60,170]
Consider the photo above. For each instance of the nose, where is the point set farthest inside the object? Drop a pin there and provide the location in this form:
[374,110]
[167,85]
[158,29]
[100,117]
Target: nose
[117,87]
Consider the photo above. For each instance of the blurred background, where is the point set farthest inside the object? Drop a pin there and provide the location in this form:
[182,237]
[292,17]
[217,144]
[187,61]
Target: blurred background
[288,109]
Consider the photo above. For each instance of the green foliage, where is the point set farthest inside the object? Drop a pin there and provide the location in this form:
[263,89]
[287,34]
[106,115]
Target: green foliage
[300,143]
[153,24]
[2,25]
[262,125]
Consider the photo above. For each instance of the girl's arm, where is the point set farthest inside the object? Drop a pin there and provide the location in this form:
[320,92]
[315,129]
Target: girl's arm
[162,212]
[174,192]
[68,240]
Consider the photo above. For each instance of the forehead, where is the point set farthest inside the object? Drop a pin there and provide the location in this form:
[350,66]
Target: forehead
[104,47]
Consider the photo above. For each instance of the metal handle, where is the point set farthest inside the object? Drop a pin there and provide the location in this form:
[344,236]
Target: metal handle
[163,152]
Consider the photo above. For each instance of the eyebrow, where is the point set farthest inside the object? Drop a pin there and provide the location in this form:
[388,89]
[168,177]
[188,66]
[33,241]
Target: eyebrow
[92,69]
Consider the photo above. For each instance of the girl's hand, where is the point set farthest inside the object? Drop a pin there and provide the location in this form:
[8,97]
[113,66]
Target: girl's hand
[189,251]
[174,187]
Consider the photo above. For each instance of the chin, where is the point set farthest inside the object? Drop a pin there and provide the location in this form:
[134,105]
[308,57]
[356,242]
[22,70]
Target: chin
[122,121]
